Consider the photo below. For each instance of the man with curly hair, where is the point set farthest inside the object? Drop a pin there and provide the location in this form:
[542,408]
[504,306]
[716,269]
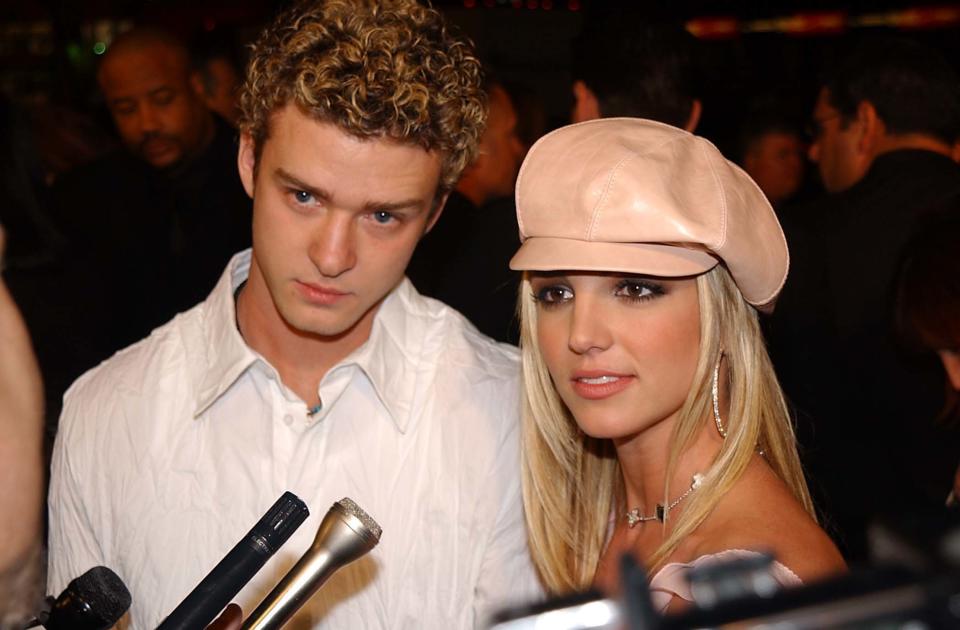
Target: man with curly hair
[315,366]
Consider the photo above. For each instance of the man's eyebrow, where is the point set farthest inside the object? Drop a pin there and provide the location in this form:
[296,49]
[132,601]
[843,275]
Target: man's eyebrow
[416,204]
[294,182]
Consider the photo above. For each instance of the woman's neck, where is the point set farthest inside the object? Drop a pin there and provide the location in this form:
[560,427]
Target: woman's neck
[644,458]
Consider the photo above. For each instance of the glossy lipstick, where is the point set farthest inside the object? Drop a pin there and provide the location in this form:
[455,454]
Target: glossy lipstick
[596,384]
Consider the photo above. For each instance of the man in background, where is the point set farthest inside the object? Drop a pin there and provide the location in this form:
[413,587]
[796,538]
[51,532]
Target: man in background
[148,228]
[884,125]
[463,260]
[772,153]
[215,60]
[627,65]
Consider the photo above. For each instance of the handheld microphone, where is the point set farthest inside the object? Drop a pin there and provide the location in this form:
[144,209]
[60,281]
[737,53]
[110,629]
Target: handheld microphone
[345,534]
[94,601]
[239,565]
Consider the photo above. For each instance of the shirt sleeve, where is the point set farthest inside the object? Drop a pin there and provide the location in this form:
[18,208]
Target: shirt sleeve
[73,547]
[507,575]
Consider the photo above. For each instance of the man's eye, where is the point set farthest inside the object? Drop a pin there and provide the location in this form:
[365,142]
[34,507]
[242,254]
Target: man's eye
[383,217]
[124,109]
[553,295]
[302,196]
[164,97]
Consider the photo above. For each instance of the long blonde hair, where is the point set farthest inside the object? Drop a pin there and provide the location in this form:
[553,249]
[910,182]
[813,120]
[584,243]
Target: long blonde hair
[572,482]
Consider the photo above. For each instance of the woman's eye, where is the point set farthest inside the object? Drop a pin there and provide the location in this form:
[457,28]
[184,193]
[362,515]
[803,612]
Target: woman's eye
[302,196]
[553,295]
[638,290]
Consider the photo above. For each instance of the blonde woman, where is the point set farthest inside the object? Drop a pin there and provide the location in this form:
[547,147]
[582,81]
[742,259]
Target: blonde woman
[653,421]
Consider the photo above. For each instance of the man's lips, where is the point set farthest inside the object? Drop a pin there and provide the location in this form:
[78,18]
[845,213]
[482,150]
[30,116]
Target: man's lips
[157,146]
[319,294]
[598,384]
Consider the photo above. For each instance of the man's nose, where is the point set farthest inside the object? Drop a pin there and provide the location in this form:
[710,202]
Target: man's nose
[333,249]
[149,118]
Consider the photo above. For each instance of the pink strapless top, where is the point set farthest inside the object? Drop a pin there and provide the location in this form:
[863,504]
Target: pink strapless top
[671,580]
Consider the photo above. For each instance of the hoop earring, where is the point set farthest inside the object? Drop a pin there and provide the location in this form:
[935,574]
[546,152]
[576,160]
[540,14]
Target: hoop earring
[715,391]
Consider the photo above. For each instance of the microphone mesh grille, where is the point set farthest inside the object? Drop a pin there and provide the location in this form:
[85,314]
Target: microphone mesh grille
[353,509]
[103,589]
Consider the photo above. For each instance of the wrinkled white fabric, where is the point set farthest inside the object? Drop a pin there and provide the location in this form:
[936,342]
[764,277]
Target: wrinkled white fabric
[170,451]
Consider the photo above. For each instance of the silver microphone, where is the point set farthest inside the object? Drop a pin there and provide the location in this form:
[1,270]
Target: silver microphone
[345,534]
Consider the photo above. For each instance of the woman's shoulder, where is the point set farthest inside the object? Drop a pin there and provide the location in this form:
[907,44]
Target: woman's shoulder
[761,514]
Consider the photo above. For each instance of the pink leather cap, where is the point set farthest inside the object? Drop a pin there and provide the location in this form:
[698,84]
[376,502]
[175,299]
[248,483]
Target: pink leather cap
[638,196]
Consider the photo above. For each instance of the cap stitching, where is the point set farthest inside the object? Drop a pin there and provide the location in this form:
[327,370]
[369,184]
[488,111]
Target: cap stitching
[723,200]
[614,173]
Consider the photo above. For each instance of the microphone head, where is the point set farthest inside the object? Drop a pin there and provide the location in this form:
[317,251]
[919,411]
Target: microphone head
[94,601]
[280,521]
[370,529]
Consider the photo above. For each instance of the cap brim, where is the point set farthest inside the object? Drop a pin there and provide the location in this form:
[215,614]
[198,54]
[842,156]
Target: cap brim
[655,259]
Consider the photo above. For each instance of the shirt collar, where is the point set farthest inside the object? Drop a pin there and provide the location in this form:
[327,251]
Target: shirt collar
[390,358]
[226,354]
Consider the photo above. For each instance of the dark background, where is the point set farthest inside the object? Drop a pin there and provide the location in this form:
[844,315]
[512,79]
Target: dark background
[753,50]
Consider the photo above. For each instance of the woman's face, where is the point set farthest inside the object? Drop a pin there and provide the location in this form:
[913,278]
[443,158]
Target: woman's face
[622,349]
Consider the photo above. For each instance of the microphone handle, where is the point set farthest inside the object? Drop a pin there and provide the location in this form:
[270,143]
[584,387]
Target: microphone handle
[297,586]
[216,590]
[239,566]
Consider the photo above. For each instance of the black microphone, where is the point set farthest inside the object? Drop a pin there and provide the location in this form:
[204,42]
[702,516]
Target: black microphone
[226,579]
[94,601]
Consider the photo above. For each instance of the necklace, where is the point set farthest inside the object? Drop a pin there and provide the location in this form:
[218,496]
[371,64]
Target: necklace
[634,516]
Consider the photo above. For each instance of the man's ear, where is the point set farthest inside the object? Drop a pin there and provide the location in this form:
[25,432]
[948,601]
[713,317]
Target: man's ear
[438,210]
[871,130]
[696,109]
[951,363]
[585,103]
[246,162]
[196,84]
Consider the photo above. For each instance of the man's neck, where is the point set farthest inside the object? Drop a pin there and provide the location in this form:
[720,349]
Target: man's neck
[301,358]
[209,132]
[898,142]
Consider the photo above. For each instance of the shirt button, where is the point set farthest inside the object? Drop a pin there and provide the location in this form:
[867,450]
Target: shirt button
[288,420]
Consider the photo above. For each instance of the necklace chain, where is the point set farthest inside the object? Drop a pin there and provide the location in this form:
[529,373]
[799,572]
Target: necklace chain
[634,516]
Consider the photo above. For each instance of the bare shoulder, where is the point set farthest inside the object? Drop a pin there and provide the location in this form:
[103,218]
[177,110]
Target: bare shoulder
[760,513]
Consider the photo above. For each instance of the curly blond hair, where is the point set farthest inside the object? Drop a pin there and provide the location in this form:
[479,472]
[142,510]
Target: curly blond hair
[375,68]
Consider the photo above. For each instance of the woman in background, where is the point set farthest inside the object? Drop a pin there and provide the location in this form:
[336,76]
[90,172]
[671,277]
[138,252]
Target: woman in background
[653,421]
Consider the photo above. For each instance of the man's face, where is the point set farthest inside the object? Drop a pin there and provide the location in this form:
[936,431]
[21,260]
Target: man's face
[335,221]
[223,92]
[836,147]
[775,162]
[155,104]
[501,150]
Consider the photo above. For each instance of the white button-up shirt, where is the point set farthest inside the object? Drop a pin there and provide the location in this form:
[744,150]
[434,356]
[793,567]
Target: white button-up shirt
[169,452]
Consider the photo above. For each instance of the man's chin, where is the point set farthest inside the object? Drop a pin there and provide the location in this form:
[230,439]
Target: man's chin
[162,163]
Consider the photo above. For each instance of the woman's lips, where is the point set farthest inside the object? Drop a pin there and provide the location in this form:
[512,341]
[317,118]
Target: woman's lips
[598,385]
